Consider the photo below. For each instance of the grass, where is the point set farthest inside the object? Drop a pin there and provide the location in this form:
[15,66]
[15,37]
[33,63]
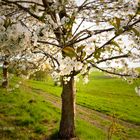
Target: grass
[111,96]
[90,133]
[26,114]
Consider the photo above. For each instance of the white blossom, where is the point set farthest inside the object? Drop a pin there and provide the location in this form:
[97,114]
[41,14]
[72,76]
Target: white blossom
[137,90]
[64,20]
[86,79]
[78,66]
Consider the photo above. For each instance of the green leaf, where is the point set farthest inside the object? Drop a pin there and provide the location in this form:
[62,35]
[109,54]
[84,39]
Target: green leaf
[137,33]
[90,61]
[34,7]
[130,16]
[97,54]
[115,44]
[118,32]
[41,18]
[83,55]
[7,22]
[117,22]
[113,23]
[69,51]
[79,49]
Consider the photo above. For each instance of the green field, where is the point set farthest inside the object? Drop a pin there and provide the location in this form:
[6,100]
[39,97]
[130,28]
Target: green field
[105,107]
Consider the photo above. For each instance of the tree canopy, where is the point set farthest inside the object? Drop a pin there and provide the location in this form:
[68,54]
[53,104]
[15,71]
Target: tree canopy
[72,37]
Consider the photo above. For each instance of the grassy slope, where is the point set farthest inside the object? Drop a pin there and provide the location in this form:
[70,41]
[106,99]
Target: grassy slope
[111,96]
[108,95]
[25,114]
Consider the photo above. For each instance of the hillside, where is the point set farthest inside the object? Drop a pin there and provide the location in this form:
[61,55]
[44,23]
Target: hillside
[106,107]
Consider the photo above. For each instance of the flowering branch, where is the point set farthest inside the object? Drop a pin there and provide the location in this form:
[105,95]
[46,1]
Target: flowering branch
[74,40]
[50,43]
[21,7]
[126,28]
[110,72]
[30,2]
[111,58]
[47,55]
[79,26]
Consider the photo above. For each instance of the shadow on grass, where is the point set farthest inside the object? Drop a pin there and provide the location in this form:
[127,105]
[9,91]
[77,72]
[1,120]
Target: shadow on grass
[55,136]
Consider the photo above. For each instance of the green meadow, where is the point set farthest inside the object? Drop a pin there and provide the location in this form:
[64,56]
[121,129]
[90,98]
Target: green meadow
[107,108]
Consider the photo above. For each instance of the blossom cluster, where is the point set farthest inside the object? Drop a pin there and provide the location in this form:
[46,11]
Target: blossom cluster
[68,65]
[13,36]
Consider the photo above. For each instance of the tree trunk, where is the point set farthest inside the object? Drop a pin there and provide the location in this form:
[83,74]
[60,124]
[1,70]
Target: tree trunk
[5,74]
[67,125]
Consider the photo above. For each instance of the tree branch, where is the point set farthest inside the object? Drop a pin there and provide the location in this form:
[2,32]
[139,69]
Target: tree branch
[113,73]
[49,43]
[95,32]
[48,55]
[126,28]
[79,26]
[74,39]
[30,2]
[21,7]
[111,58]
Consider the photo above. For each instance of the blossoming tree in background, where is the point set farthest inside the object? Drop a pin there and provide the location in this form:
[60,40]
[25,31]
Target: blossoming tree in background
[76,36]
[12,36]
[15,50]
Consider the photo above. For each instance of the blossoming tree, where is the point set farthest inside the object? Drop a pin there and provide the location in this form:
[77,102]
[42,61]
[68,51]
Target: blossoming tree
[75,36]
[12,36]
[15,50]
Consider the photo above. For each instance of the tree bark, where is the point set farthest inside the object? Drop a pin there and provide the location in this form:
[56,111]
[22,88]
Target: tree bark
[5,74]
[67,123]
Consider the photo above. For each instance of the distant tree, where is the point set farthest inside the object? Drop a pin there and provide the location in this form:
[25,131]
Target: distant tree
[61,32]
[12,43]
[15,49]
[42,74]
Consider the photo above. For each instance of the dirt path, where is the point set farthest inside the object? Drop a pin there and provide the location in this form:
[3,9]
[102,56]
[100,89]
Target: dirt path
[98,119]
